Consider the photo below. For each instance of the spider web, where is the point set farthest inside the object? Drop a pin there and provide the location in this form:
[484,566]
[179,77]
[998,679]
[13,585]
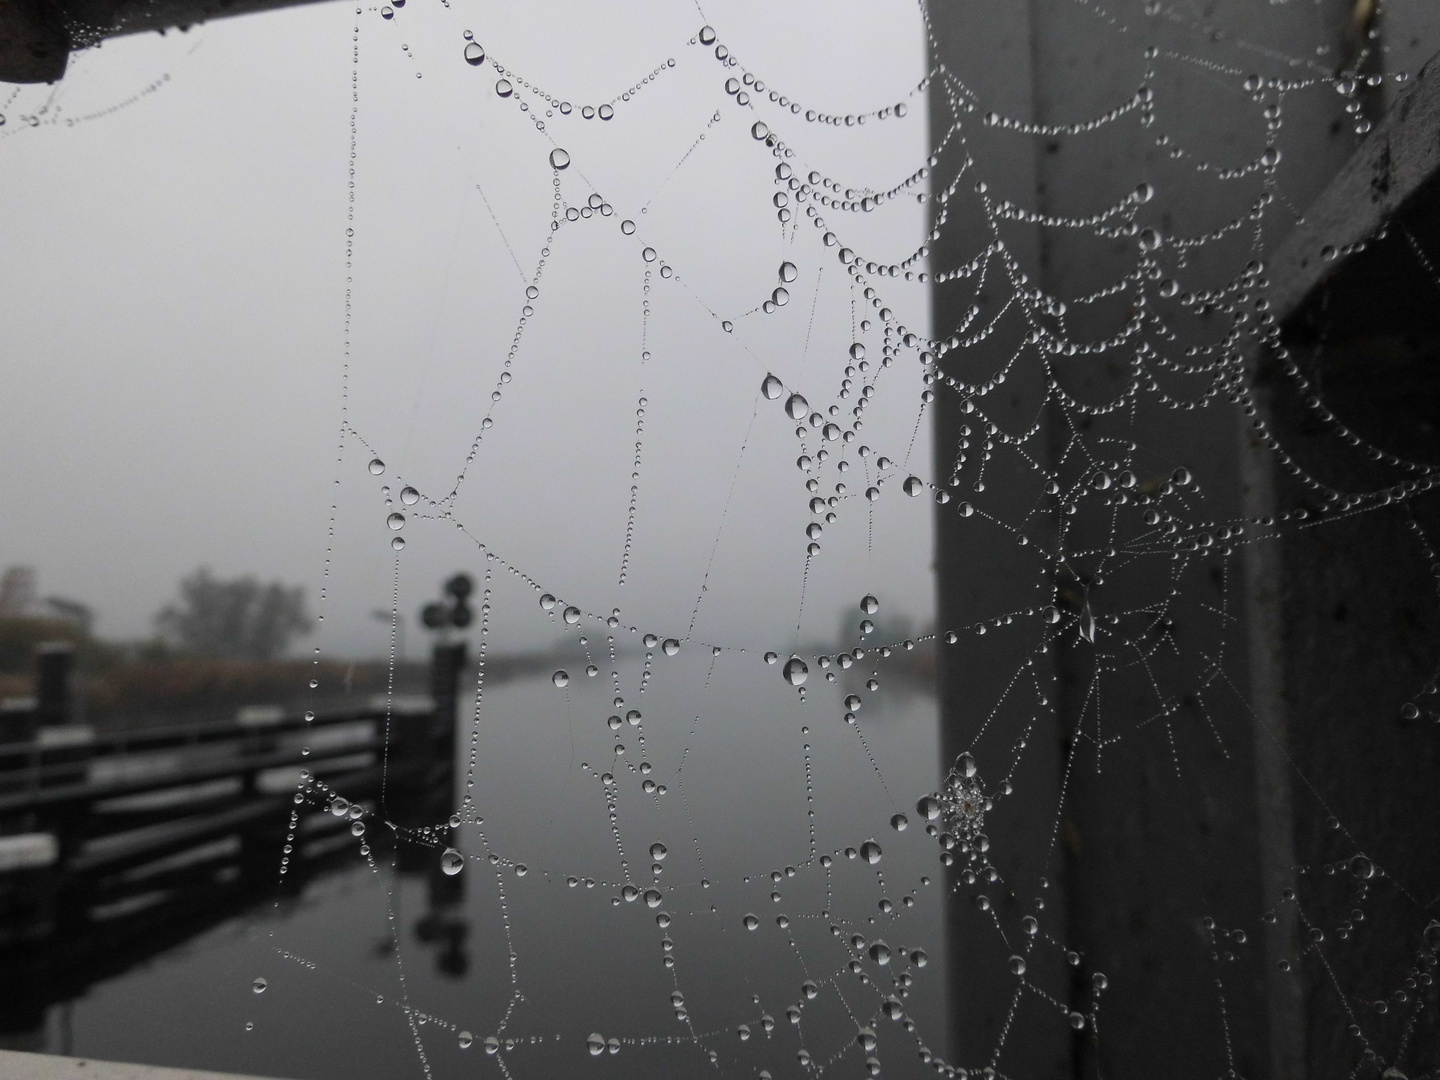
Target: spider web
[667,390]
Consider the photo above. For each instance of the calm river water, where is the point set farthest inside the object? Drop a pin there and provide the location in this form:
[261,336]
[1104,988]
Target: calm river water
[541,964]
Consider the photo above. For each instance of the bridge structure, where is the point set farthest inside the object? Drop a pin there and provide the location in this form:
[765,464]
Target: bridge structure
[117,846]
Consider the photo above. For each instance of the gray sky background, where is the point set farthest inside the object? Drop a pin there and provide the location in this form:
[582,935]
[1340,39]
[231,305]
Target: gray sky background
[175,288]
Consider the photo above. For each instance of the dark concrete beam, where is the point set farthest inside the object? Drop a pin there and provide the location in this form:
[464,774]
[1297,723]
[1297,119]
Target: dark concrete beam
[37,36]
[1383,177]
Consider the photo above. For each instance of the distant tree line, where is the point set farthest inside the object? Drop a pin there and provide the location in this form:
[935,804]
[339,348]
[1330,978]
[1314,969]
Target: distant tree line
[236,619]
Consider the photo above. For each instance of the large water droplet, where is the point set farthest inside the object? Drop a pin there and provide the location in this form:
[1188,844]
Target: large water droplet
[409,496]
[474,54]
[771,387]
[670,646]
[465,1040]
[965,765]
[788,272]
[658,851]
[750,921]
[595,1044]
[259,985]
[796,407]
[559,159]
[561,678]
[870,852]
[869,605]
[452,862]
[572,616]
[376,466]
[795,671]
[913,486]
[396,521]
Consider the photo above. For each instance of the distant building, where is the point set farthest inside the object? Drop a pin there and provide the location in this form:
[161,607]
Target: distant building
[19,600]
[17,593]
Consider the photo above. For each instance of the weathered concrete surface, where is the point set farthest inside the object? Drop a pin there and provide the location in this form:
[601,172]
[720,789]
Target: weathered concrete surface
[1390,169]
[17,1066]
[37,36]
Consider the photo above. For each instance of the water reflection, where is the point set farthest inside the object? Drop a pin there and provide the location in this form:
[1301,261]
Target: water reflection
[373,961]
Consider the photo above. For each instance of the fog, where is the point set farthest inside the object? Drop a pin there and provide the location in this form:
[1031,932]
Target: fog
[176,352]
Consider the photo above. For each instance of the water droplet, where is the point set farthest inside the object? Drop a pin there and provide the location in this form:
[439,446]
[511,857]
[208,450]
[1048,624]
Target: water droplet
[759,129]
[1432,935]
[795,671]
[409,496]
[771,387]
[492,1044]
[780,297]
[474,54]
[548,601]
[561,678]
[466,1039]
[899,822]
[452,862]
[870,852]
[869,605]
[880,952]
[259,985]
[913,486]
[796,407]
[670,646]
[750,921]
[376,466]
[559,159]
[1017,965]
[965,765]
[788,272]
[928,807]
[595,1044]
[627,227]
[572,616]
[504,88]
[396,521]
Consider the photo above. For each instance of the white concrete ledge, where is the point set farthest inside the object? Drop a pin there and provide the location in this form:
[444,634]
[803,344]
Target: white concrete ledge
[17,1066]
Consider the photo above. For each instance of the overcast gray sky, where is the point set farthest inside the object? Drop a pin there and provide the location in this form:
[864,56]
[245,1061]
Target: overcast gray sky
[175,290]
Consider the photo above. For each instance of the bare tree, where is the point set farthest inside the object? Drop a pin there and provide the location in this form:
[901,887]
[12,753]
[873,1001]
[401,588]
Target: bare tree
[238,619]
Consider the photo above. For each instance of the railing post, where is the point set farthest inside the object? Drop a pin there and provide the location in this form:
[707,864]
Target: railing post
[54,678]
